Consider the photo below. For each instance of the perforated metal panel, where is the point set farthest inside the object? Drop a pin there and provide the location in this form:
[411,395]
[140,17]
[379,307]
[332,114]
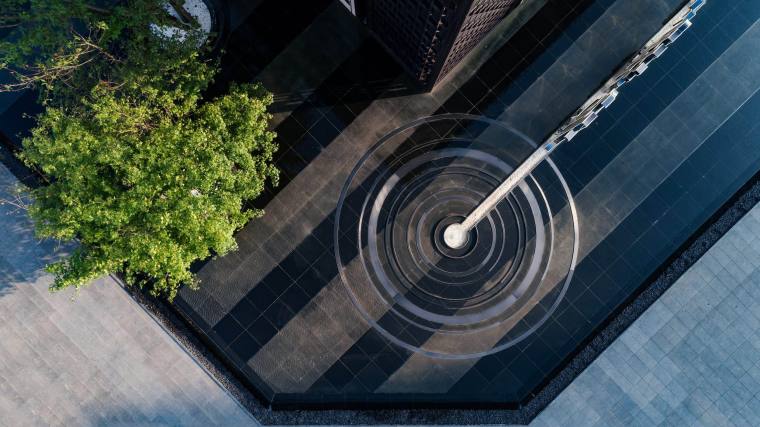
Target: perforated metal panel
[479,21]
[429,37]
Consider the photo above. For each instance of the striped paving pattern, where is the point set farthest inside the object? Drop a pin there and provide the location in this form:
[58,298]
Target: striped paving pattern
[642,177]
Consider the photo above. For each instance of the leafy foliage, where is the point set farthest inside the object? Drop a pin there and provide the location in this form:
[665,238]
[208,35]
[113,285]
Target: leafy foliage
[148,188]
[11,12]
[143,171]
[64,45]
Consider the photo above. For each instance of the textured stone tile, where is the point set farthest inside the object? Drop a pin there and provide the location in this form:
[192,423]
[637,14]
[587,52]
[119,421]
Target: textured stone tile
[95,358]
[695,362]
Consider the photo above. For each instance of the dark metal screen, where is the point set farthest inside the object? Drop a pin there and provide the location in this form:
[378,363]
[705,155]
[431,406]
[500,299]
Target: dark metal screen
[482,17]
[429,37]
[413,30]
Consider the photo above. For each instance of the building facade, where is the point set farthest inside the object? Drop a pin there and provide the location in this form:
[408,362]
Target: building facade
[430,37]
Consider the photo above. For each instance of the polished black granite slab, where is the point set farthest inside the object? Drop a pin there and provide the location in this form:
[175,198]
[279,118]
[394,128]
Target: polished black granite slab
[641,192]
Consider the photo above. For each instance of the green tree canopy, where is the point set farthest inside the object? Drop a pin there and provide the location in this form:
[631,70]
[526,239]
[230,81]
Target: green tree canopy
[147,174]
[149,188]
[62,46]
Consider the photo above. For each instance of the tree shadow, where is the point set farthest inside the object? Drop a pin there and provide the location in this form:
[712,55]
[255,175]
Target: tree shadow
[175,410]
[23,256]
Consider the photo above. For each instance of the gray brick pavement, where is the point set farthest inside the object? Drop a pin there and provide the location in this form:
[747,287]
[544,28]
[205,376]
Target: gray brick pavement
[95,358]
[693,358]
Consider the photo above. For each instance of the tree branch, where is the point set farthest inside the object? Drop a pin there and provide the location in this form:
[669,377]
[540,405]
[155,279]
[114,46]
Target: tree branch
[97,9]
[182,12]
[17,200]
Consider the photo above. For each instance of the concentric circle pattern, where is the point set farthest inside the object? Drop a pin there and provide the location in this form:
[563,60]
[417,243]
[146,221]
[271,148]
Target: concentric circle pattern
[485,293]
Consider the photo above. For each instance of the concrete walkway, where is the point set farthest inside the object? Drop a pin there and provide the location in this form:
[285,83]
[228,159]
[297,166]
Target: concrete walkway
[693,358]
[96,358]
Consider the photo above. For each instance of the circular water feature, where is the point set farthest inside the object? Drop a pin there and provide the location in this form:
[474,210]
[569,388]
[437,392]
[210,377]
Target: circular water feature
[420,279]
